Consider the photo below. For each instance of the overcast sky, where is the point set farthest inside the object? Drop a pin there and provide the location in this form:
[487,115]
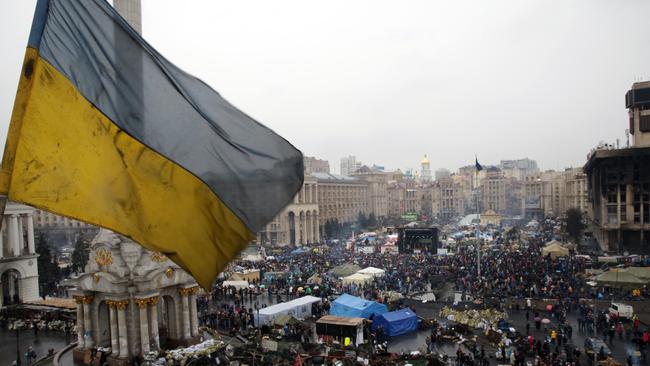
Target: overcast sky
[389,81]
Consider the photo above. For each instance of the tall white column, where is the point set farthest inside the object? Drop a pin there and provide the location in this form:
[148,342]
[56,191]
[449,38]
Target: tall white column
[21,236]
[144,326]
[186,312]
[80,322]
[194,318]
[2,245]
[115,340]
[13,234]
[121,324]
[88,334]
[30,234]
[153,321]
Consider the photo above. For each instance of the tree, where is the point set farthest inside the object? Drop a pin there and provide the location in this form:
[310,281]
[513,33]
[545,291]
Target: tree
[362,220]
[79,255]
[574,225]
[49,272]
[372,220]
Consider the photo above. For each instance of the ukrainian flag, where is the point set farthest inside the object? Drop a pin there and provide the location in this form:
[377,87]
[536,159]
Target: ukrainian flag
[107,131]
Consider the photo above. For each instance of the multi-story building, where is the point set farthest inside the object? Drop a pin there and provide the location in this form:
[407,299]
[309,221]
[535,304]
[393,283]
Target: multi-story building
[349,165]
[377,189]
[519,168]
[341,197]
[552,193]
[298,223]
[18,265]
[61,228]
[449,195]
[442,173]
[314,165]
[618,183]
[493,191]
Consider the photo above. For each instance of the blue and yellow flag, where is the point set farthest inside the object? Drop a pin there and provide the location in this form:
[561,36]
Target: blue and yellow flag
[107,131]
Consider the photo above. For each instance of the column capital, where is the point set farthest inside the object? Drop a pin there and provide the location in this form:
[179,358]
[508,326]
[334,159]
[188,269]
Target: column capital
[142,303]
[153,300]
[83,299]
[121,305]
[184,291]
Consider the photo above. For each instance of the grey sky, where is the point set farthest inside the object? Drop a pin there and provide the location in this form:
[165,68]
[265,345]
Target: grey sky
[389,81]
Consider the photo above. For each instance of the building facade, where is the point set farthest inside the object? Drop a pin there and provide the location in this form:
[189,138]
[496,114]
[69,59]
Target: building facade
[341,198]
[313,165]
[425,172]
[299,222]
[18,258]
[493,191]
[349,165]
[618,182]
[377,181]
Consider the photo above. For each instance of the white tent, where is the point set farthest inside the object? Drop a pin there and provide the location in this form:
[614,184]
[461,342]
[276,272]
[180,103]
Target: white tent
[236,284]
[299,308]
[372,271]
[357,278]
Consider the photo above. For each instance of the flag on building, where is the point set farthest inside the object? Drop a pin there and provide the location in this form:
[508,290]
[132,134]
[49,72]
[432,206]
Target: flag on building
[107,131]
[479,167]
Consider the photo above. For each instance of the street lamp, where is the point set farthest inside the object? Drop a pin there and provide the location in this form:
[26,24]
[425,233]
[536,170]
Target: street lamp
[17,325]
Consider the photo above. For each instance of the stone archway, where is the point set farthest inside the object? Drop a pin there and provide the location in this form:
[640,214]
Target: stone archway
[168,330]
[103,328]
[10,287]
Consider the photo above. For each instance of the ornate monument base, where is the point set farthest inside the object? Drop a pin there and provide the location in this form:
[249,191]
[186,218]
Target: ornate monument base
[126,297]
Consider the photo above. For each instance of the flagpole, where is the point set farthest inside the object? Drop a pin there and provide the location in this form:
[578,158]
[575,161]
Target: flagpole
[478,240]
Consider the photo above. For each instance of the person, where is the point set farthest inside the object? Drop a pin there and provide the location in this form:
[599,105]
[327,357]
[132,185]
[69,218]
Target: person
[30,355]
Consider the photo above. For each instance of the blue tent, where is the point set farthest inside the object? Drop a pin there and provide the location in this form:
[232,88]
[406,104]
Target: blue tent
[397,322]
[356,307]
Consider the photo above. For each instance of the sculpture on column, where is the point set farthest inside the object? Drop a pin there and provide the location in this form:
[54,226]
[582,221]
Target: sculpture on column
[136,301]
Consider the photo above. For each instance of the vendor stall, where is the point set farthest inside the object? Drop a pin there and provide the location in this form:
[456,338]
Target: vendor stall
[340,328]
[352,306]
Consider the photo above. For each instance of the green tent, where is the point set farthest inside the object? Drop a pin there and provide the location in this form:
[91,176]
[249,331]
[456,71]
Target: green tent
[344,270]
[620,278]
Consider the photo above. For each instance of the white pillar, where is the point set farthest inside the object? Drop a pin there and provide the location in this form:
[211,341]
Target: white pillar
[194,318]
[121,324]
[153,320]
[80,323]
[115,343]
[186,313]
[13,234]
[21,235]
[88,334]
[30,234]
[2,245]
[144,326]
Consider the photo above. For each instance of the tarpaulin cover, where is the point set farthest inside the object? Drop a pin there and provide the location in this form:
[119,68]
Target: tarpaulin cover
[396,322]
[356,307]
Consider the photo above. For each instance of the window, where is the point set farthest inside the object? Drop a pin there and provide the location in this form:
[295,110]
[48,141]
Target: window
[644,123]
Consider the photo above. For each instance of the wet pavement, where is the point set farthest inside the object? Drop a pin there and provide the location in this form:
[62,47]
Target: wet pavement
[41,342]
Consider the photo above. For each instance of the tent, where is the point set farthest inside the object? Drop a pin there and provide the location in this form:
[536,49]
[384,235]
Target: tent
[555,250]
[315,279]
[396,322]
[619,278]
[341,327]
[356,307]
[344,270]
[300,250]
[235,284]
[372,271]
[640,272]
[299,308]
[358,279]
